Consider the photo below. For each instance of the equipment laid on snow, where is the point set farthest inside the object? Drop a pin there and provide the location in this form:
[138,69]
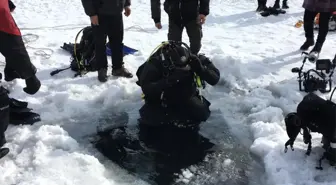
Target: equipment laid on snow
[324,71]
[272,11]
[20,114]
[13,112]
[314,114]
[126,50]
[83,53]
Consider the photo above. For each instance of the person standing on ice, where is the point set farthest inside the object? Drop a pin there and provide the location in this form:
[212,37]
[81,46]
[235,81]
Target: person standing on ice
[18,64]
[189,14]
[107,20]
[312,8]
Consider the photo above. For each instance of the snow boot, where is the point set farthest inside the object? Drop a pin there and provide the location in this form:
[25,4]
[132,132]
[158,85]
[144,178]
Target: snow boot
[317,48]
[10,74]
[102,75]
[122,72]
[3,151]
[309,42]
[284,4]
[33,84]
[331,154]
[315,52]
[2,140]
[261,5]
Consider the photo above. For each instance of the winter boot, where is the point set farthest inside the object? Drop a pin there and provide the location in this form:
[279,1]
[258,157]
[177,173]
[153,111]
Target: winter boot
[261,5]
[276,4]
[331,154]
[284,4]
[122,72]
[309,42]
[102,75]
[315,52]
[33,84]
[317,48]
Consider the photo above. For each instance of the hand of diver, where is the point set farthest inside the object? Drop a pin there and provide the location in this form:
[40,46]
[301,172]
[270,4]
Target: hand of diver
[195,64]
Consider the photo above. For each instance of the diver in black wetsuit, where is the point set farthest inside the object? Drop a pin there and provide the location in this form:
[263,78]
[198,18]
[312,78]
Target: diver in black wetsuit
[170,80]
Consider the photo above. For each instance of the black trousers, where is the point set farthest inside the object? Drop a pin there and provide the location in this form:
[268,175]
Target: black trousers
[278,1]
[111,26]
[194,31]
[18,64]
[308,20]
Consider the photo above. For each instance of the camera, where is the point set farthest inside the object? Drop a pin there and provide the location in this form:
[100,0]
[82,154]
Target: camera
[318,78]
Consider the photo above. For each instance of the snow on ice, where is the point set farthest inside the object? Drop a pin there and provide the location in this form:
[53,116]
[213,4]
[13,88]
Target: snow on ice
[255,56]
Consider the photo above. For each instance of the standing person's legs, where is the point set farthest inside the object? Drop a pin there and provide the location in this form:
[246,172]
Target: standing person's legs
[285,4]
[308,24]
[116,36]
[175,30]
[18,64]
[323,31]
[276,4]
[194,31]
[261,5]
[100,49]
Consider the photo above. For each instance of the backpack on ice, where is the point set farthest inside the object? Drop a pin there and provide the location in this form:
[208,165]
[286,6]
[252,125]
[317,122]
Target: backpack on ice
[82,53]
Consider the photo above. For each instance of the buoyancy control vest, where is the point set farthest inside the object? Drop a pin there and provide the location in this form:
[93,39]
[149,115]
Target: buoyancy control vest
[171,54]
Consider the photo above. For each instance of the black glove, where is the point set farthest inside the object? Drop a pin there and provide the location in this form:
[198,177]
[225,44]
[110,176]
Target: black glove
[204,60]
[33,84]
[196,64]
[177,76]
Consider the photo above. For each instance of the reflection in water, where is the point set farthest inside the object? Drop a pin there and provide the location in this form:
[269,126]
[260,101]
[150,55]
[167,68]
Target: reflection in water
[159,155]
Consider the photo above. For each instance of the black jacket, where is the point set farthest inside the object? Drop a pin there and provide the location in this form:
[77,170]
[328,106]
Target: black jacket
[104,7]
[153,83]
[180,10]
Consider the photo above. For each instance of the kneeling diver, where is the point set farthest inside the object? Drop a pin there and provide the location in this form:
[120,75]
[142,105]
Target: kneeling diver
[170,79]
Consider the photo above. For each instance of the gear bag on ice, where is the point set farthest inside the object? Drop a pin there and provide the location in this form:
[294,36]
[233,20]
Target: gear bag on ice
[82,53]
